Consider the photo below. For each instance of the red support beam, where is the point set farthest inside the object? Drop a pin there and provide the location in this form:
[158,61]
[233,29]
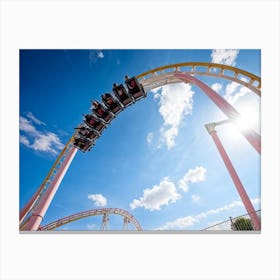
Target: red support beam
[42,207]
[253,138]
[237,182]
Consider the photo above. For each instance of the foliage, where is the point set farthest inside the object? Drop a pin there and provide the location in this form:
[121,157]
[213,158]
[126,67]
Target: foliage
[242,224]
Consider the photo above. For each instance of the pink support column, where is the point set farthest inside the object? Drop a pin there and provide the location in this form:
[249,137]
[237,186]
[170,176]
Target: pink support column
[253,138]
[42,207]
[30,203]
[242,192]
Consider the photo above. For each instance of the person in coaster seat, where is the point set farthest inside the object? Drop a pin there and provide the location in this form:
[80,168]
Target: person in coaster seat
[99,110]
[131,84]
[112,104]
[93,122]
[102,112]
[134,88]
[86,132]
[82,144]
[122,94]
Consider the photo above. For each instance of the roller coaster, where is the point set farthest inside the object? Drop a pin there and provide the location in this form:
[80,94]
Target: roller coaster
[105,212]
[103,113]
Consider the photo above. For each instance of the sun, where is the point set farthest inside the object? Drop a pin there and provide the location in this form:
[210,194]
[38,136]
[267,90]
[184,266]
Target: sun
[249,119]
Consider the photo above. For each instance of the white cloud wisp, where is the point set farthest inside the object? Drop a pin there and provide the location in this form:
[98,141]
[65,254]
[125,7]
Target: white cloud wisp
[38,140]
[150,137]
[195,198]
[98,199]
[185,222]
[227,57]
[175,101]
[166,192]
[192,176]
[217,87]
[94,55]
[157,196]
[34,119]
[234,91]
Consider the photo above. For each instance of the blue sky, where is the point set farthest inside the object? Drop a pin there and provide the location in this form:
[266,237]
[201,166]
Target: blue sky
[156,159]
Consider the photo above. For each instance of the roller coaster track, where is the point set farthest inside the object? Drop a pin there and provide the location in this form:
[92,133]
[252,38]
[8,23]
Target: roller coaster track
[103,211]
[165,75]
[152,79]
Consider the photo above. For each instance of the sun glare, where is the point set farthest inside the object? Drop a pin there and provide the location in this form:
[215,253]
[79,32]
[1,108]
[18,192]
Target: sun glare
[250,119]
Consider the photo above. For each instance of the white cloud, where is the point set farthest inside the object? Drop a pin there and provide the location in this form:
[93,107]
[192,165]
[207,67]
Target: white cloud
[196,175]
[156,92]
[34,119]
[98,199]
[168,136]
[193,175]
[26,126]
[48,142]
[256,201]
[185,222]
[233,204]
[166,192]
[244,79]
[94,55]
[157,196]
[217,87]
[180,223]
[91,226]
[24,141]
[38,140]
[175,101]
[149,137]
[234,91]
[100,54]
[195,198]
[183,185]
[227,57]
[231,88]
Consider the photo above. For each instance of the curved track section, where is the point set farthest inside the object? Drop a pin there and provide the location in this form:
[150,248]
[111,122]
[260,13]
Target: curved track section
[165,75]
[94,212]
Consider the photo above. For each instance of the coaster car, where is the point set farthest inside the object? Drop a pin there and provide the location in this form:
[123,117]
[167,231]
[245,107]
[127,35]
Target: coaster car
[82,144]
[102,112]
[86,132]
[111,103]
[94,123]
[122,95]
[135,88]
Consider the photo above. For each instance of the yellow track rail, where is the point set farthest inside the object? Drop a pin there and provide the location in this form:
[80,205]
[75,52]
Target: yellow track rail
[154,78]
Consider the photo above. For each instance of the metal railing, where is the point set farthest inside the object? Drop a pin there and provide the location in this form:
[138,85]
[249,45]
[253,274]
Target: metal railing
[240,223]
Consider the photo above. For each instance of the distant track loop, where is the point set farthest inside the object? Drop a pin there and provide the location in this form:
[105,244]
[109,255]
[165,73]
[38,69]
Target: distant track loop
[94,212]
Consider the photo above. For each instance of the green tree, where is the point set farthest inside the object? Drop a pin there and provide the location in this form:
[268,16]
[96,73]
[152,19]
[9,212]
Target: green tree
[242,224]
